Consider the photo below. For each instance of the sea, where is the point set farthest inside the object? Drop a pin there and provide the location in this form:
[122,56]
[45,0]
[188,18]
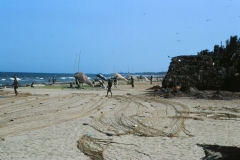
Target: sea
[26,78]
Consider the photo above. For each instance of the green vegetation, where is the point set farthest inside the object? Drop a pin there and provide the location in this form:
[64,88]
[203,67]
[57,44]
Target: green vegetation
[226,56]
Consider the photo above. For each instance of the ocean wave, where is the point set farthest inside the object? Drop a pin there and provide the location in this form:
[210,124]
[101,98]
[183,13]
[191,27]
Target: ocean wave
[67,78]
[39,78]
[71,77]
[3,79]
[19,79]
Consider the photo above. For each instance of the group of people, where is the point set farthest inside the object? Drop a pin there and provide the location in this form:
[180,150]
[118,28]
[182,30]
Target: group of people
[15,84]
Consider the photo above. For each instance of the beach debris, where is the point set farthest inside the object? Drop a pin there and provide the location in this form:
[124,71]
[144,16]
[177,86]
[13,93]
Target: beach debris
[100,149]
[109,134]
[85,123]
[155,87]
[209,115]
[89,135]
[12,120]
[134,126]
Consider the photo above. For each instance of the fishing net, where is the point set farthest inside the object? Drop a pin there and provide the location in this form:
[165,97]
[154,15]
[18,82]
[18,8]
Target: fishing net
[100,149]
[150,119]
[139,116]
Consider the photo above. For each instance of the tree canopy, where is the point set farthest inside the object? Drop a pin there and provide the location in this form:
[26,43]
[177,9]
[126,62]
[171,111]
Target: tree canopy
[226,56]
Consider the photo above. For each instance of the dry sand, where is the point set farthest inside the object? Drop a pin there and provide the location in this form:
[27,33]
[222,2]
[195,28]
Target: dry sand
[48,124]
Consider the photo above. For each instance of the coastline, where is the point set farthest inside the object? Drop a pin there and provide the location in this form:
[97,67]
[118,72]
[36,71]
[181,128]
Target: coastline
[49,123]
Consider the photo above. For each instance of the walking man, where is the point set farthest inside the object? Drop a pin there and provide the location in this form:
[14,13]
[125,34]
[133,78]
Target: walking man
[115,81]
[109,87]
[132,82]
[151,79]
[15,85]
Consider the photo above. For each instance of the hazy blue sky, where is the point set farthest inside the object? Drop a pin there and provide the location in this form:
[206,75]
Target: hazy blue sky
[112,36]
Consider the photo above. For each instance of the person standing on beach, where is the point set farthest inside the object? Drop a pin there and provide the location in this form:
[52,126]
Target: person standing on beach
[15,85]
[151,79]
[109,87]
[132,82]
[115,81]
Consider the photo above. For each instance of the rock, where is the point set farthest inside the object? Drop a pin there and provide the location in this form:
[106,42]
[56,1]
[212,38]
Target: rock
[109,134]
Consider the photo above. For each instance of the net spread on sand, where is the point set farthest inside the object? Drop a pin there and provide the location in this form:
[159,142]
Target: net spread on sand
[138,116]
[157,118]
[100,149]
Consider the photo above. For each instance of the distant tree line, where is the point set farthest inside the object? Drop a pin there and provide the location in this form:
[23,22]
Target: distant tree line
[226,56]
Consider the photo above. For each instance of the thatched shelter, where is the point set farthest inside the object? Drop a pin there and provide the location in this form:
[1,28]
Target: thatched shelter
[192,71]
[82,78]
[119,76]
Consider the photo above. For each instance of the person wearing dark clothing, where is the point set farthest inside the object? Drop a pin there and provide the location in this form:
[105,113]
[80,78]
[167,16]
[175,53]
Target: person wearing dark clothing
[151,79]
[53,80]
[78,84]
[15,85]
[109,87]
[132,82]
[115,82]
[71,86]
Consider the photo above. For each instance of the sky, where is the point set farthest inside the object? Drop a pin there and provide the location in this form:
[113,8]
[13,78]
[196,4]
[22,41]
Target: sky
[107,36]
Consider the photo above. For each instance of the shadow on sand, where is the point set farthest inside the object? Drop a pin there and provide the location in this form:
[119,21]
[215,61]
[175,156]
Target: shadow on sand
[215,152]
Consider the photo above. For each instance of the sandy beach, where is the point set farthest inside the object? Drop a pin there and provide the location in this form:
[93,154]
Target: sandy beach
[132,124]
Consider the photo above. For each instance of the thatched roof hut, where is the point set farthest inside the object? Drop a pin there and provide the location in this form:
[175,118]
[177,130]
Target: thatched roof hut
[82,78]
[192,71]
